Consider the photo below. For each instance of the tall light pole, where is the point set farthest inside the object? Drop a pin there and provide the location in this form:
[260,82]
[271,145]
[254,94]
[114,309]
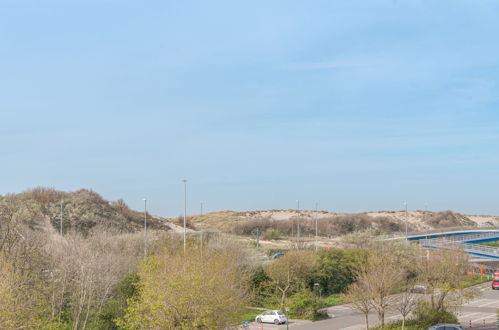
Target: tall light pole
[406,219]
[202,232]
[298,224]
[424,215]
[316,227]
[61,219]
[145,226]
[185,211]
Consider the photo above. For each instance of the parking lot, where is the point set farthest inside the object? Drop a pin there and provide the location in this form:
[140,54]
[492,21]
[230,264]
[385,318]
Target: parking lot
[481,310]
[294,324]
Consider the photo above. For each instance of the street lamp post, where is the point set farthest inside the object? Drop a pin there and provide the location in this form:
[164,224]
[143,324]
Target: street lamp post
[424,216]
[316,227]
[317,285]
[61,219]
[185,211]
[406,219]
[287,317]
[202,234]
[298,224]
[145,226]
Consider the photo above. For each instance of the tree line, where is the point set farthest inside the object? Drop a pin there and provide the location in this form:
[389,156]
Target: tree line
[102,278]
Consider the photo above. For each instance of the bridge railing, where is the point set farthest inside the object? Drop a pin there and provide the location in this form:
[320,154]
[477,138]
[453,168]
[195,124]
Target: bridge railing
[454,245]
[439,231]
[481,249]
[462,238]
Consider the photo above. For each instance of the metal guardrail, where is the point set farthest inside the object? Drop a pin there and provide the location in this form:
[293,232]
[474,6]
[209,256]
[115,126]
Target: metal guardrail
[455,245]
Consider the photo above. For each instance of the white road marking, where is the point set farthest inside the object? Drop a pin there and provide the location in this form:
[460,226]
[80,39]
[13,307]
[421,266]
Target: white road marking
[490,303]
[483,318]
[354,327]
[467,315]
[478,301]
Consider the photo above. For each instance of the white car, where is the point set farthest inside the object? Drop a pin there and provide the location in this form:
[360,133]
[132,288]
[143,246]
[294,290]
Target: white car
[276,317]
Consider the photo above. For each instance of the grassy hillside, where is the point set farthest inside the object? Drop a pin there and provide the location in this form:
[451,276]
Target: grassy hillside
[82,211]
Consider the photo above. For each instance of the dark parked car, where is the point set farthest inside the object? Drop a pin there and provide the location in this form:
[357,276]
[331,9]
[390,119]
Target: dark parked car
[277,255]
[420,289]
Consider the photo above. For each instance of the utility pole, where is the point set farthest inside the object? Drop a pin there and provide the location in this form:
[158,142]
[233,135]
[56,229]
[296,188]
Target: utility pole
[61,219]
[185,211]
[145,227]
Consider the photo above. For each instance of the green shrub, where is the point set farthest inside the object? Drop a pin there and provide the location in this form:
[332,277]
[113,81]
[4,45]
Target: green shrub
[115,308]
[332,300]
[336,269]
[426,316]
[263,292]
[304,304]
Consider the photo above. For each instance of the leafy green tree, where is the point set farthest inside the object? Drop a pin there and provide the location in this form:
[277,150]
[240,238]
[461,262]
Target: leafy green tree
[304,304]
[115,308]
[187,291]
[336,269]
[263,292]
[291,272]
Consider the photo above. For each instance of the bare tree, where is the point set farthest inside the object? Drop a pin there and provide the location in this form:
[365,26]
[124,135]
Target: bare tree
[84,271]
[382,275]
[360,299]
[405,304]
[443,272]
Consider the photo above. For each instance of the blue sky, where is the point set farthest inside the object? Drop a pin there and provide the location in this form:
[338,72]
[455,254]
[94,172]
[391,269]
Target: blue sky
[356,105]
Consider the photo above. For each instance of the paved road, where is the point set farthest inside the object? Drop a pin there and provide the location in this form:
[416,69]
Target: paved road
[482,308]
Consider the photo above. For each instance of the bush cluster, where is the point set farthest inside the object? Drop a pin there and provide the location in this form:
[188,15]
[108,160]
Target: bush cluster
[332,269]
[336,225]
[424,317]
[189,223]
[442,219]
